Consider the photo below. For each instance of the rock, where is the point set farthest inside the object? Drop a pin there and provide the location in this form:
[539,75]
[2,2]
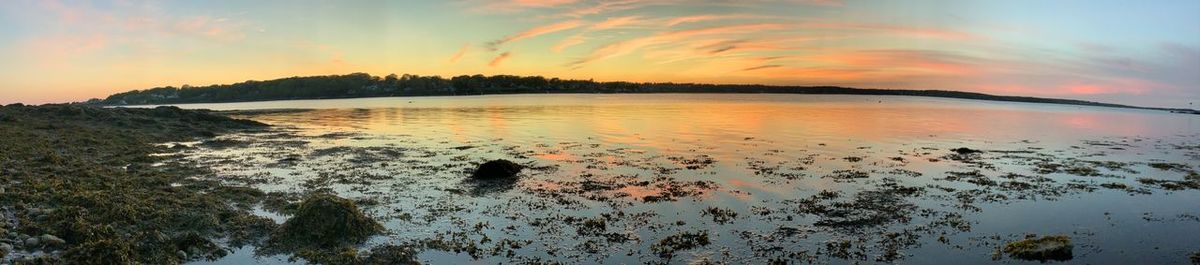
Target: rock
[1195,258]
[32,242]
[181,254]
[52,240]
[1056,248]
[497,169]
[965,151]
[6,247]
[325,221]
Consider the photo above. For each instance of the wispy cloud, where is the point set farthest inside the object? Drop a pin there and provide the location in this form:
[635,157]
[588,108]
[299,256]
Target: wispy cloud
[615,22]
[458,55]
[534,32]
[509,6]
[761,67]
[707,17]
[568,42]
[628,46]
[898,30]
[500,59]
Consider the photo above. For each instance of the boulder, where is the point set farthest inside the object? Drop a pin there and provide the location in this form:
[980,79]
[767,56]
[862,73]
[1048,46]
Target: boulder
[32,242]
[965,151]
[52,240]
[1045,248]
[497,169]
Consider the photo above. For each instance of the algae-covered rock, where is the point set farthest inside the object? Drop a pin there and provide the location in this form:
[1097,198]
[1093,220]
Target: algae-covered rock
[106,251]
[1041,249]
[32,242]
[52,240]
[391,255]
[965,151]
[325,221]
[497,169]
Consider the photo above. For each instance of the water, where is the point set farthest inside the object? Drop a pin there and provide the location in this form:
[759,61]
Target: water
[827,179]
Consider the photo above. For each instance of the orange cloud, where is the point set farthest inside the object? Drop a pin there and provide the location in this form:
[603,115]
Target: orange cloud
[761,67]
[568,42]
[832,3]
[923,60]
[508,6]
[458,55]
[898,30]
[609,6]
[628,46]
[615,22]
[534,32]
[500,59]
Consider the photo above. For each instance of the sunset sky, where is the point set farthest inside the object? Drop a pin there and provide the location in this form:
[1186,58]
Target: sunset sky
[1131,52]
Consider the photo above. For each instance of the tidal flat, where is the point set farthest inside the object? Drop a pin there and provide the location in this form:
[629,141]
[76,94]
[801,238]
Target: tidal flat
[677,180]
[699,179]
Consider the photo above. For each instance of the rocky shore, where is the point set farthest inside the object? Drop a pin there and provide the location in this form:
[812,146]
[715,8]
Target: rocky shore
[82,185]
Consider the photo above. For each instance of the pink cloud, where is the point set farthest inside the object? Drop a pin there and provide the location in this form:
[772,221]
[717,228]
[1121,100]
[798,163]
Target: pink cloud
[700,18]
[500,59]
[60,50]
[568,42]
[899,30]
[615,22]
[832,3]
[925,60]
[458,55]
[508,6]
[628,46]
[534,32]
[761,67]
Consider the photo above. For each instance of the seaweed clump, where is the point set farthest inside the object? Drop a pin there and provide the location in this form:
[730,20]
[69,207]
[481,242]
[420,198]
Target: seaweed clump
[1057,248]
[497,169]
[325,221]
[680,242]
[85,179]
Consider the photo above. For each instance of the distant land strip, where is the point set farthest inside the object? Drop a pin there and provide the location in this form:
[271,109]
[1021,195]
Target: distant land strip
[361,85]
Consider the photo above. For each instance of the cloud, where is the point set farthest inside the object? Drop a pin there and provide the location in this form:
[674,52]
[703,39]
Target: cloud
[568,42]
[137,32]
[628,46]
[615,22]
[610,6]
[510,6]
[929,61]
[830,3]
[458,55]
[897,30]
[701,18]
[500,59]
[761,67]
[534,32]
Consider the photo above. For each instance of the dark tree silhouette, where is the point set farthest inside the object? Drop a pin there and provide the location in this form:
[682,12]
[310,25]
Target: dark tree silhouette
[364,85]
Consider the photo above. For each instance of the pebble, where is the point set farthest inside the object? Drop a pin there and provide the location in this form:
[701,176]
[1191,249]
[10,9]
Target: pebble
[32,242]
[182,254]
[52,240]
[6,247]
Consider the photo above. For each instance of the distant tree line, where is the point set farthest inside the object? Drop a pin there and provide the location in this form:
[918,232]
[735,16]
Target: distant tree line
[364,85]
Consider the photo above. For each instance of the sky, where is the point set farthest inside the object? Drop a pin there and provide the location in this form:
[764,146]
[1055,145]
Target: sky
[1131,52]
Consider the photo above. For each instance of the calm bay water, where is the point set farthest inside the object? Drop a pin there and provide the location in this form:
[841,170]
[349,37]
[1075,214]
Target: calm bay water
[825,179]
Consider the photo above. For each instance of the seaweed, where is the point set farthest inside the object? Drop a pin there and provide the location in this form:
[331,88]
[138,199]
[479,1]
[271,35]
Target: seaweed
[85,179]
[1057,248]
[324,221]
[680,242]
